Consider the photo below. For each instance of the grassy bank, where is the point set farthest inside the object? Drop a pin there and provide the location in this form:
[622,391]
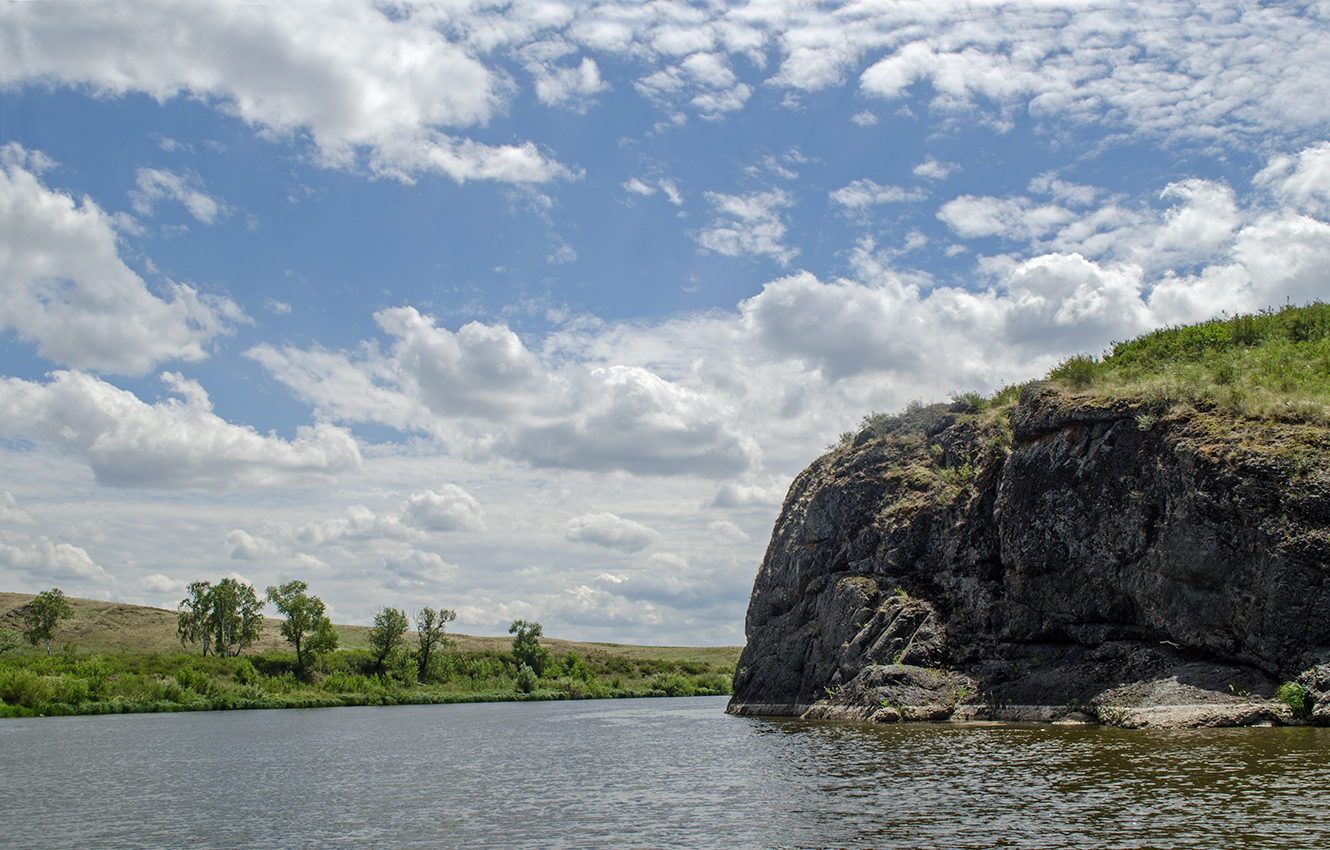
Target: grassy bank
[119,658]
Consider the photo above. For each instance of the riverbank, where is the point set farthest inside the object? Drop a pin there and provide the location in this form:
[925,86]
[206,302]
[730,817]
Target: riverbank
[116,659]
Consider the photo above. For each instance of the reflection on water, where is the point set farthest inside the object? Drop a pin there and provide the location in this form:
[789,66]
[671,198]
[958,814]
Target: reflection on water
[645,773]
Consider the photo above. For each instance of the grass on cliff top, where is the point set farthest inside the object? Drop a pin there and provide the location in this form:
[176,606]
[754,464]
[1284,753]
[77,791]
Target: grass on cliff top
[1269,365]
[1274,364]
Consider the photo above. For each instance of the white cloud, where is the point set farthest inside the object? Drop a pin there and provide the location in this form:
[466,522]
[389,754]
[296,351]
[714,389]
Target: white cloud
[355,79]
[176,443]
[157,184]
[1302,179]
[64,287]
[703,81]
[748,225]
[736,495]
[1010,218]
[1198,71]
[417,569]
[450,508]
[637,187]
[568,86]
[45,561]
[246,547]
[727,530]
[932,169]
[483,390]
[610,531]
[859,195]
[160,584]
[10,511]
[864,118]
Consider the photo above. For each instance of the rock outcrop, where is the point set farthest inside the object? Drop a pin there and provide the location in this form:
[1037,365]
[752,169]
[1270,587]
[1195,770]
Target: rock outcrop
[1065,558]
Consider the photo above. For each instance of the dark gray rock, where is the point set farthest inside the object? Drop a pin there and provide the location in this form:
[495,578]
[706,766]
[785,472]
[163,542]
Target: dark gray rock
[1071,552]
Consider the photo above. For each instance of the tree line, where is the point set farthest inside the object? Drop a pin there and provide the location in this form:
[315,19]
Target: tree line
[228,617]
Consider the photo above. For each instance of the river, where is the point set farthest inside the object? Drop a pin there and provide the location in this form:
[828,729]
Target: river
[645,773]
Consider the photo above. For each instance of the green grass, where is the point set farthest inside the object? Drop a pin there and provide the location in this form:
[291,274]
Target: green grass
[123,658]
[1274,364]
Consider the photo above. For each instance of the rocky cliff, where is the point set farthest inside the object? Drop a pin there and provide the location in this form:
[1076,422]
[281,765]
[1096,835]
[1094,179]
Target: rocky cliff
[1062,557]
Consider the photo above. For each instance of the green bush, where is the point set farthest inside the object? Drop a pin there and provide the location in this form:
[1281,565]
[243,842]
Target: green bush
[1079,371]
[1294,696]
[526,679]
[24,687]
[674,685]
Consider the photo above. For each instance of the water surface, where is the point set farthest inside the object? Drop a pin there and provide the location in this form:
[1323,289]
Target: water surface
[645,773]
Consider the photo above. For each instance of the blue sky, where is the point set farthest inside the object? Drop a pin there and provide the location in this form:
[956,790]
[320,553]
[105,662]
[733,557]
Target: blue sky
[534,309]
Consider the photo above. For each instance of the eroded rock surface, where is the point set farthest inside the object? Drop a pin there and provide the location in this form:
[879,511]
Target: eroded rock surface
[1101,559]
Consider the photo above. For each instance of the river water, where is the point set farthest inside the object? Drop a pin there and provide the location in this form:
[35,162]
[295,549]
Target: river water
[645,773]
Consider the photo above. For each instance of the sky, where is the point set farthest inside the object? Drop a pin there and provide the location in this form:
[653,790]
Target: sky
[534,309]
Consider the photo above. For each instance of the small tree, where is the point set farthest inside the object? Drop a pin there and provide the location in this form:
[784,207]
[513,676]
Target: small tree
[526,646]
[236,618]
[305,628]
[430,626]
[387,636]
[225,619]
[192,619]
[44,613]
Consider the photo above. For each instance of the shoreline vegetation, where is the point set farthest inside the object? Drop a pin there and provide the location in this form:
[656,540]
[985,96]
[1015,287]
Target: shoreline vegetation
[113,658]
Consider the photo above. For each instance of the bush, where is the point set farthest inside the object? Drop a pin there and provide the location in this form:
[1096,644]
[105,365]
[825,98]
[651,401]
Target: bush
[1294,696]
[674,685]
[526,679]
[1078,371]
[25,688]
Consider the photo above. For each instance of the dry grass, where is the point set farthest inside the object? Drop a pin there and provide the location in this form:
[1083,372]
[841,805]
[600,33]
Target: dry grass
[112,628]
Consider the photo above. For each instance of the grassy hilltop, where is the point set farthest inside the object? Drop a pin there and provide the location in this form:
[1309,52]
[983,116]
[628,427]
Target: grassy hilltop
[112,657]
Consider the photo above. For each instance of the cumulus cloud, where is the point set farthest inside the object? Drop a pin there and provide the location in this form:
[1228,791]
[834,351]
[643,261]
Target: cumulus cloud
[1010,218]
[418,569]
[356,79]
[64,286]
[450,508]
[727,530]
[484,390]
[158,184]
[735,495]
[703,81]
[45,561]
[11,512]
[244,546]
[178,443]
[572,87]
[1302,179]
[748,225]
[610,531]
[932,169]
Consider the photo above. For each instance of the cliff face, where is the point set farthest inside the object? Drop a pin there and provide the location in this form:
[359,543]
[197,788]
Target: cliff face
[1098,557]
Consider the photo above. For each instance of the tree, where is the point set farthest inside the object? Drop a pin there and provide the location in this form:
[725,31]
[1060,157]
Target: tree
[430,625]
[44,613]
[526,646]
[225,619]
[192,619]
[236,618]
[387,636]
[305,628]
